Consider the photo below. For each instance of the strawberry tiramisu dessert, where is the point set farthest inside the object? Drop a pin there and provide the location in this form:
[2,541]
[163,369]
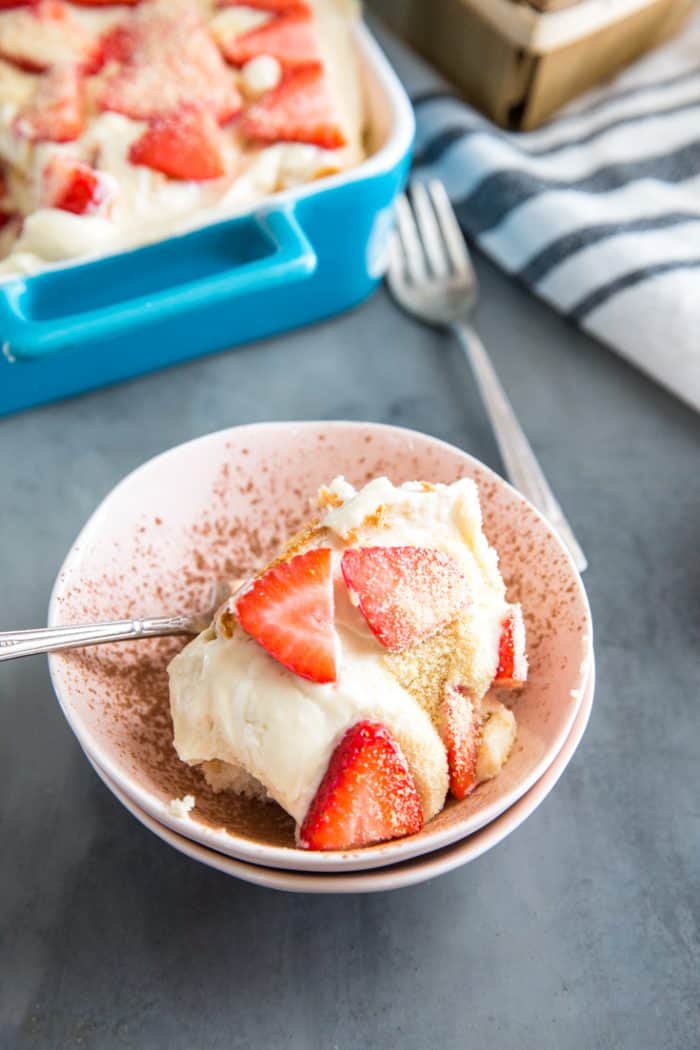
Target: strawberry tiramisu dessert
[356,680]
[122,123]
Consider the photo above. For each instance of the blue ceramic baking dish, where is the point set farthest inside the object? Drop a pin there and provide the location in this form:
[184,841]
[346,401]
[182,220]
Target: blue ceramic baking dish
[306,254]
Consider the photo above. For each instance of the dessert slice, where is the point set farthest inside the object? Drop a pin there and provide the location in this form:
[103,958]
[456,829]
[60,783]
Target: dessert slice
[349,680]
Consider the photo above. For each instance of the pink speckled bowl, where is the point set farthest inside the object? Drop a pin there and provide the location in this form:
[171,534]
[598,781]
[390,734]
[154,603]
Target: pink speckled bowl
[394,876]
[218,506]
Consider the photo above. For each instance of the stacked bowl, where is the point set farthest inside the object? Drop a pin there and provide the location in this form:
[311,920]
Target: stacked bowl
[216,508]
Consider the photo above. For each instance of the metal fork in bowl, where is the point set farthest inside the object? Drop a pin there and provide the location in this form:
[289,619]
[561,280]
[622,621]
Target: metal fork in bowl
[14,644]
[431,276]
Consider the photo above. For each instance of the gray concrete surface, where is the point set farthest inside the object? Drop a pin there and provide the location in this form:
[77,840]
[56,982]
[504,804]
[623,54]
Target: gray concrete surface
[579,931]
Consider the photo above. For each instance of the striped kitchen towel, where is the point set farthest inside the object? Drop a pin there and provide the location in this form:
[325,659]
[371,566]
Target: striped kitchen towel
[598,212]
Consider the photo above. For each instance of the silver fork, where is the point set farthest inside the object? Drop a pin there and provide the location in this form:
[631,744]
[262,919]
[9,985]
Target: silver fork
[431,276]
[14,644]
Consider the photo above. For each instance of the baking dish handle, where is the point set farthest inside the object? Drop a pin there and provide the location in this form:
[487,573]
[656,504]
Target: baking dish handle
[130,291]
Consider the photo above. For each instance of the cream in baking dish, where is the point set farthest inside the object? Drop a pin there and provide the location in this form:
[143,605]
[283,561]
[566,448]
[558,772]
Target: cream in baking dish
[125,123]
[351,680]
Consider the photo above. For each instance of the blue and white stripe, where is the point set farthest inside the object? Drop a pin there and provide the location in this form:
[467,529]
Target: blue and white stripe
[599,211]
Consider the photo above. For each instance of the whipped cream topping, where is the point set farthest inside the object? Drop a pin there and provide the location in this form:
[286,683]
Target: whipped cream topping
[232,702]
[147,205]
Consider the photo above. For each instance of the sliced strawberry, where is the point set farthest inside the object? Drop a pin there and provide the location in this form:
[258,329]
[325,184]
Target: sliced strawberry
[166,62]
[57,111]
[105,3]
[71,185]
[367,794]
[404,593]
[274,6]
[46,34]
[289,611]
[290,38]
[460,734]
[300,109]
[512,657]
[185,144]
[117,43]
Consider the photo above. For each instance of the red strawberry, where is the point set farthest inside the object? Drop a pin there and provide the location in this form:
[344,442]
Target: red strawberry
[404,593]
[274,6]
[45,34]
[56,113]
[289,611]
[290,38]
[70,185]
[185,144]
[367,794]
[512,658]
[460,735]
[299,109]
[117,43]
[166,62]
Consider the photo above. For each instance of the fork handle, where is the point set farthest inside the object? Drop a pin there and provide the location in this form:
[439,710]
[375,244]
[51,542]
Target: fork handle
[14,644]
[520,462]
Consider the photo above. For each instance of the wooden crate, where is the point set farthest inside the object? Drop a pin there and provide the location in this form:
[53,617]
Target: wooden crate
[520,60]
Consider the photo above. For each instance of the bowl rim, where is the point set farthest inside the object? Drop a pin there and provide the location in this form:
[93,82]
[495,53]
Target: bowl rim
[223,841]
[409,873]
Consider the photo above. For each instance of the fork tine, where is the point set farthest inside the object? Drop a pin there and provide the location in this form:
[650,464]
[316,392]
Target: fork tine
[452,234]
[414,258]
[395,265]
[429,230]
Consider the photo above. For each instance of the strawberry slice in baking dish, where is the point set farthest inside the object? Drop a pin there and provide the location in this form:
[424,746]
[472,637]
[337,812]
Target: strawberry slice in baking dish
[299,109]
[164,63]
[289,612]
[405,594]
[273,6]
[512,657]
[291,38]
[73,186]
[45,34]
[57,111]
[367,794]
[185,144]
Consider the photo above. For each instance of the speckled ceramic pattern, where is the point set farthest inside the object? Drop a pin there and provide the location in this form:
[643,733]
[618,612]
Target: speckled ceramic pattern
[395,876]
[218,506]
